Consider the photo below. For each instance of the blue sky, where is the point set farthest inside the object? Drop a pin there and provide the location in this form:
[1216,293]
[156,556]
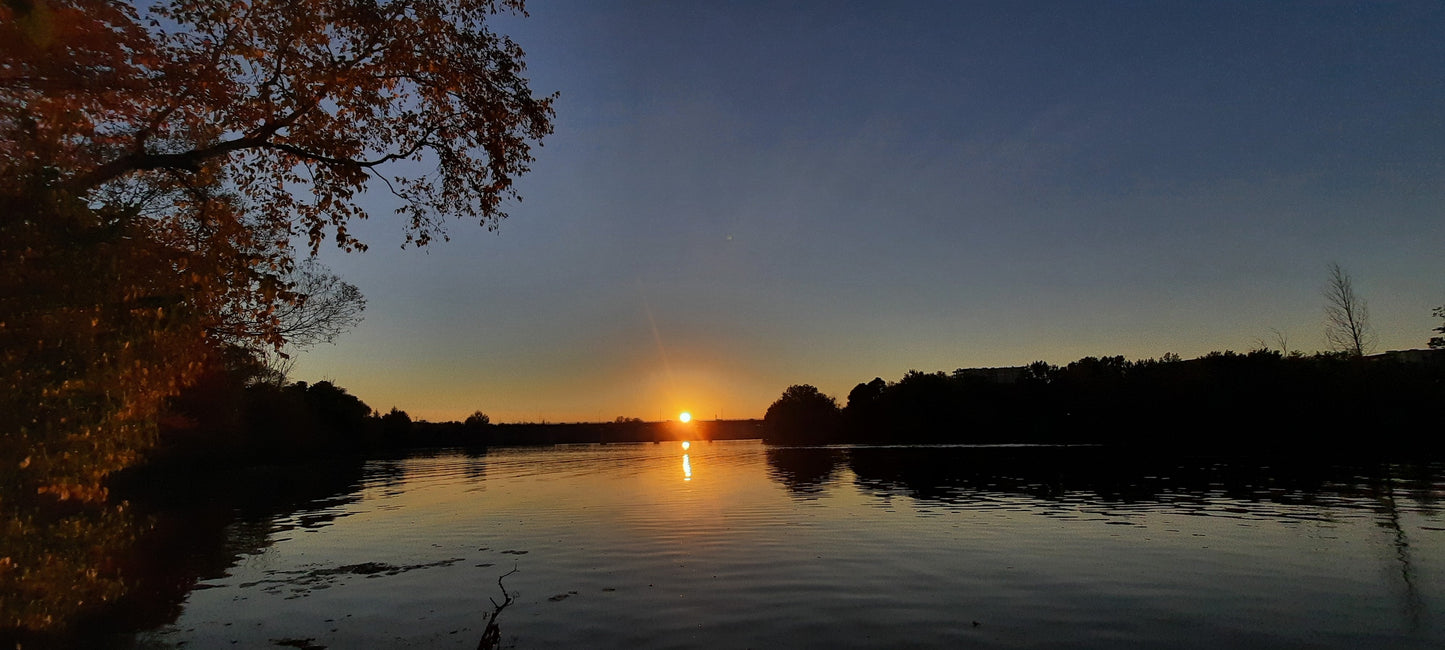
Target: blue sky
[741,196]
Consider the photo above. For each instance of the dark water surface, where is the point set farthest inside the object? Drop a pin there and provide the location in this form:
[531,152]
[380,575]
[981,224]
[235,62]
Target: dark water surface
[734,544]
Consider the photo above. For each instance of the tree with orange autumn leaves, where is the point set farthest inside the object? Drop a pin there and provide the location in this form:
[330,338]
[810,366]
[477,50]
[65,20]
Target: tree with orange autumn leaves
[156,167]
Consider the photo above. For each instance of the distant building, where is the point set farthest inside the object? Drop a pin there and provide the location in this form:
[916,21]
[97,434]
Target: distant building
[1431,357]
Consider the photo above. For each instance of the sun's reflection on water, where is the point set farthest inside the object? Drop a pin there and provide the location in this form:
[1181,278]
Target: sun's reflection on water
[686,468]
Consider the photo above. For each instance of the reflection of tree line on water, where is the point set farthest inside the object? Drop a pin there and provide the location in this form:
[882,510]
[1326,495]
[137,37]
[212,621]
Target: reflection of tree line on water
[950,474]
[967,476]
[184,529]
[1168,405]
[187,531]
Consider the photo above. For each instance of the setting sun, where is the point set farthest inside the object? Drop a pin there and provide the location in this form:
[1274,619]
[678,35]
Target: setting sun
[685,417]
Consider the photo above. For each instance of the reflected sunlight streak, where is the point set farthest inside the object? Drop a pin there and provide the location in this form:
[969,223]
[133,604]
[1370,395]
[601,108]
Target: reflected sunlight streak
[686,467]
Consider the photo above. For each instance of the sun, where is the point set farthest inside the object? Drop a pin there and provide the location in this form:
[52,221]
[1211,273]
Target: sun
[685,417]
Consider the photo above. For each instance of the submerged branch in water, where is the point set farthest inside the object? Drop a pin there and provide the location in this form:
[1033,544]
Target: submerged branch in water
[492,636]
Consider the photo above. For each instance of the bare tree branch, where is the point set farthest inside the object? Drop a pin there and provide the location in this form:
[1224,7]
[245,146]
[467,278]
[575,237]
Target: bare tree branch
[492,635]
[1347,316]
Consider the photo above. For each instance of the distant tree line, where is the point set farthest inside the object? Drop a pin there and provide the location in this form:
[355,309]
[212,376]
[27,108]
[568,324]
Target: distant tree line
[1261,401]
[234,416]
[240,414]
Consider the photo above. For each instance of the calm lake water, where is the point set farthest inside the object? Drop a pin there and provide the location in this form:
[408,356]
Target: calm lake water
[736,544]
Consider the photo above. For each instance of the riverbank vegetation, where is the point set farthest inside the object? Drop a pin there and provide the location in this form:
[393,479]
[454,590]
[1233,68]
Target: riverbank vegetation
[1257,402]
[168,171]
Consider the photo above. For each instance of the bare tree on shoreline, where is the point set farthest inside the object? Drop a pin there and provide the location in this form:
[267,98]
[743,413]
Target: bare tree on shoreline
[1347,316]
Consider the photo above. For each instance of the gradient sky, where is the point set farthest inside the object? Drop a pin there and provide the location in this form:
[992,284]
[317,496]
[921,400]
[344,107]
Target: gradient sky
[740,196]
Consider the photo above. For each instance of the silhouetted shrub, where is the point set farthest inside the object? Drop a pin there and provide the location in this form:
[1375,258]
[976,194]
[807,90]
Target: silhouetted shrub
[396,427]
[802,415]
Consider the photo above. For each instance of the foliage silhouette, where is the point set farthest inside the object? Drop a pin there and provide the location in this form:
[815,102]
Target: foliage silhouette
[150,172]
[223,421]
[1260,402]
[395,427]
[1438,342]
[477,419]
[155,163]
[802,415]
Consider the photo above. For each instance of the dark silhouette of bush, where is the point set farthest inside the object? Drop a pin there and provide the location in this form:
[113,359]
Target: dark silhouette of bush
[803,415]
[475,428]
[477,420]
[396,428]
[226,418]
[865,411]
